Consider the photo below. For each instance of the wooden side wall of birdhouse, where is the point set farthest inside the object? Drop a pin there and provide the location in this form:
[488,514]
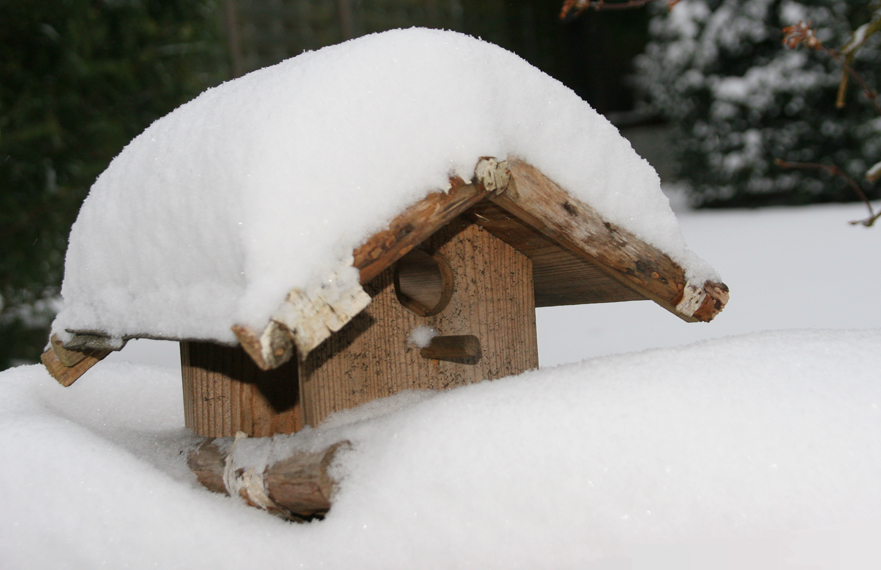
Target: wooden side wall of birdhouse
[492,299]
[225,392]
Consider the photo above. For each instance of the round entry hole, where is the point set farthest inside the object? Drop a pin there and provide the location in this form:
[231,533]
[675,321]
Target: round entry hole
[423,282]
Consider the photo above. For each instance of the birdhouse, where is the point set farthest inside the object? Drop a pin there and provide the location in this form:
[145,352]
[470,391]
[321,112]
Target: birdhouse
[383,216]
[462,269]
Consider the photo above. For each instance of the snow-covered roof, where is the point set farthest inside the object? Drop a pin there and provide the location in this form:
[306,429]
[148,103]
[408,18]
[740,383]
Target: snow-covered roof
[268,183]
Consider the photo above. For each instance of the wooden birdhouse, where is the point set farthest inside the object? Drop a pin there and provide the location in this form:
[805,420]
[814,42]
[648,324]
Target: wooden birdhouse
[282,227]
[464,268]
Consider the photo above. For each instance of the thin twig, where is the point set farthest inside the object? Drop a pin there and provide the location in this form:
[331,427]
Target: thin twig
[802,34]
[870,94]
[572,8]
[858,38]
[835,171]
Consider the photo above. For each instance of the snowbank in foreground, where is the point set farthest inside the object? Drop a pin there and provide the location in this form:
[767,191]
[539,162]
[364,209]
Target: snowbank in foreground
[699,457]
[270,181]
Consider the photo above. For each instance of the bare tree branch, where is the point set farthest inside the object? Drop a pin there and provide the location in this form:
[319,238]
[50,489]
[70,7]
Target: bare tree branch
[572,8]
[836,171]
[802,34]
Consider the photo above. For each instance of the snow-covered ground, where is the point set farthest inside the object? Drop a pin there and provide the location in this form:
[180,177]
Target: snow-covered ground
[761,450]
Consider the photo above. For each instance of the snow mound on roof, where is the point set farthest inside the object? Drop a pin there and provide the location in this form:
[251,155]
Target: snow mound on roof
[268,182]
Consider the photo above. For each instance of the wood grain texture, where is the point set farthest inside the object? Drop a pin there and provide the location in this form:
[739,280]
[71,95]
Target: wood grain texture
[413,226]
[455,348]
[302,483]
[542,204]
[370,358]
[225,392]
[79,362]
[67,357]
[561,277]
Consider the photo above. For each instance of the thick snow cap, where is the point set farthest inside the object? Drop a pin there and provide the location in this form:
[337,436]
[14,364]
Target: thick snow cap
[269,182]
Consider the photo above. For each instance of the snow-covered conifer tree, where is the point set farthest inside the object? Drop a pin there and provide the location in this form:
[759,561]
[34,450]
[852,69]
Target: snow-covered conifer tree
[738,99]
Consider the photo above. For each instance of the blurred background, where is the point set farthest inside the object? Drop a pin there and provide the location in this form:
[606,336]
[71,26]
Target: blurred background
[706,92]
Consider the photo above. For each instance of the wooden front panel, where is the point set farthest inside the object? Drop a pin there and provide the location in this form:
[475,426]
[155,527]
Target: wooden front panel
[225,392]
[370,357]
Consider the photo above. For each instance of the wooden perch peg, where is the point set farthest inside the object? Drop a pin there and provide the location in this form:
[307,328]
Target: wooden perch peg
[456,348]
[296,488]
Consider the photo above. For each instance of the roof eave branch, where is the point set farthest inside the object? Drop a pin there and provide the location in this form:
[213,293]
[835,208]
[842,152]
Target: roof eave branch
[307,318]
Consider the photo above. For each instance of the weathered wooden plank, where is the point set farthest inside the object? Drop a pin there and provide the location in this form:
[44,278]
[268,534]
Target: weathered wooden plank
[541,203]
[67,357]
[298,487]
[226,393]
[561,277]
[66,366]
[310,316]
[414,226]
[94,342]
[370,358]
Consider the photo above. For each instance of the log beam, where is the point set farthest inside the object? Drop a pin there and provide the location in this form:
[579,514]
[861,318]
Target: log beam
[537,200]
[414,226]
[298,487]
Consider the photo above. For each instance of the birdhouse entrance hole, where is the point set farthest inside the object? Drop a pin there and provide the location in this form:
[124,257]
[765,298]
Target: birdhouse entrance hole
[423,282]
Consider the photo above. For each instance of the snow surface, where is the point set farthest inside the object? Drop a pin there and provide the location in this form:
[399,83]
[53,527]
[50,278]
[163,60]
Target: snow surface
[749,440]
[421,336]
[268,182]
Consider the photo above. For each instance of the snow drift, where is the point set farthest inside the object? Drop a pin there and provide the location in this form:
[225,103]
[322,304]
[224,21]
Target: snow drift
[730,440]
